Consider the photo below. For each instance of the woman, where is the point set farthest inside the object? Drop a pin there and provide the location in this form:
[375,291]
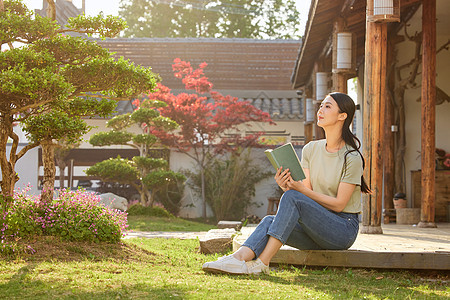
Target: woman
[320,212]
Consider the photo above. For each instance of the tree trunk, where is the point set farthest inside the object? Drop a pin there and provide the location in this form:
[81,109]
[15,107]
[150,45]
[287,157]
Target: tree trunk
[143,197]
[389,144]
[48,160]
[62,176]
[401,142]
[9,176]
[151,197]
[61,153]
[203,192]
[51,10]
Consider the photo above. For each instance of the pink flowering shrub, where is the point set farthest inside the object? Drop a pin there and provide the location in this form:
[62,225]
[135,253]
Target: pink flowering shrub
[73,216]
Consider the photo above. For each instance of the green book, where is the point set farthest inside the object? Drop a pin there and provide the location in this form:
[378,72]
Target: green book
[285,156]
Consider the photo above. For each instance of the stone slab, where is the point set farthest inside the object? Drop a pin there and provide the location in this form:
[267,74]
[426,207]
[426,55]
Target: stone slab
[237,225]
[217,241]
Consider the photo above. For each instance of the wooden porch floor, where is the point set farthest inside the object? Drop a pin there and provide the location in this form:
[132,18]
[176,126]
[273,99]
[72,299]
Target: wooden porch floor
[399,247]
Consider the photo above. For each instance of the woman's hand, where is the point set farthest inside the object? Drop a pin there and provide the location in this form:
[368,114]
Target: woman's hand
[282,178]
[295,185]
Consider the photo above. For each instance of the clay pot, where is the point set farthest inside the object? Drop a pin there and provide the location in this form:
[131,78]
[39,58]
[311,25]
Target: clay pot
[400,200]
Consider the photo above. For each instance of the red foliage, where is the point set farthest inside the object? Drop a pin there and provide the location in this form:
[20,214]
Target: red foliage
[202,122]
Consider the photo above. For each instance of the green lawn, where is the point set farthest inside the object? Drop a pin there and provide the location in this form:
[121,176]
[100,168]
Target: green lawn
[149,223]
[171,268]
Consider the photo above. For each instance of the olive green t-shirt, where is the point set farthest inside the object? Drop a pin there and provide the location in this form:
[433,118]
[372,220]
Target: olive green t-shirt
[327,170]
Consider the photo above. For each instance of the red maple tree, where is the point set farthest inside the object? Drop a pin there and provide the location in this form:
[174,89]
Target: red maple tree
[209,122]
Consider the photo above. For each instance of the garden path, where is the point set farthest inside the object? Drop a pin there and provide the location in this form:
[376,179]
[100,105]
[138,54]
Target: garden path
[164,234]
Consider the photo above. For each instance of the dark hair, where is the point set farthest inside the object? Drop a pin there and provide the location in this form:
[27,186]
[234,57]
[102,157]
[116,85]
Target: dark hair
[347,105]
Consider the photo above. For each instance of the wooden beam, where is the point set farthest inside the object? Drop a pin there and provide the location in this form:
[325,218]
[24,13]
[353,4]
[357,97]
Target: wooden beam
[388,145]
[374,105]
[428,112]
[363,259]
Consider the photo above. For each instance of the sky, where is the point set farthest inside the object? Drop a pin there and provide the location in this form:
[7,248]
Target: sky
[111,7]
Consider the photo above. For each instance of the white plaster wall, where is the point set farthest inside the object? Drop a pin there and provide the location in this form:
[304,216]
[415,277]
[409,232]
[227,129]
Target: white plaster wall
[192,203]
[27,169]
[413,107]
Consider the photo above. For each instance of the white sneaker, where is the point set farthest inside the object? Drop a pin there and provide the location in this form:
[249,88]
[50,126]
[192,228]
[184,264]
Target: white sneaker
[227,264]
[257,267]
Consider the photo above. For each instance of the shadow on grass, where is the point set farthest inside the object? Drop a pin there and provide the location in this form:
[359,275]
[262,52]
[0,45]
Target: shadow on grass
[38,289]
[53,249]
[345,283]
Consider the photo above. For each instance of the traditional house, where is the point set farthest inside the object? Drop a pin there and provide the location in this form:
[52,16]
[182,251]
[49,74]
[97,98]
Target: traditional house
[253,70]
[397,51]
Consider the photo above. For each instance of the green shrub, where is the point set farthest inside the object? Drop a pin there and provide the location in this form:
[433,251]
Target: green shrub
[74,216]
[20,219]
[155,211]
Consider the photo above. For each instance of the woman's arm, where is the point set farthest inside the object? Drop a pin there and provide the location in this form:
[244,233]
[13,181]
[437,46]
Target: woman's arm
[337,204]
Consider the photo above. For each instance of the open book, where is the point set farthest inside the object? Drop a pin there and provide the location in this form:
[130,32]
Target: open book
[286,157]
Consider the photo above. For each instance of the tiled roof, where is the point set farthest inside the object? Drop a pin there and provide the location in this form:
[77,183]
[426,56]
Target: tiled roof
[233,64]
[278,108]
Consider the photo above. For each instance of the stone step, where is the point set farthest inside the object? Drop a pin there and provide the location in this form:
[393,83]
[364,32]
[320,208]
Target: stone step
[237,225]
[217,241]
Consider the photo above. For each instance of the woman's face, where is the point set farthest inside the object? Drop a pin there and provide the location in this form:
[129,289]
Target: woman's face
[328,113]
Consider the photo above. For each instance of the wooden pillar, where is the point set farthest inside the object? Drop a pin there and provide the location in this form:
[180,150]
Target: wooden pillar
[339,79]
[319,133]
[374,102]
[428,112]
[308,126]
[388,145]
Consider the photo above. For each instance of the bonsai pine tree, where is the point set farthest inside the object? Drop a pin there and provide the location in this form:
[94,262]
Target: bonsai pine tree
[62,124]
[47,75]
[148,175]
[204,125]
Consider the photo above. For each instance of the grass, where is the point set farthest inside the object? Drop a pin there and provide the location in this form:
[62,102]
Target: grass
[171,269]
[150,223]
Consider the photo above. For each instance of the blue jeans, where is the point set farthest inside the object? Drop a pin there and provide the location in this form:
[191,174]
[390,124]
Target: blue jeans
[304,224]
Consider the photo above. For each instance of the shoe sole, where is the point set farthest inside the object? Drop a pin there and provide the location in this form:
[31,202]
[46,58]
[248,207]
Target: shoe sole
[217,271]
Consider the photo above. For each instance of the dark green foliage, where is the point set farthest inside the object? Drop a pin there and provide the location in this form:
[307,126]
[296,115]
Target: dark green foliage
[55,125]
[106,138]
[155,211]
[115,169]
[146,174]
[161,177]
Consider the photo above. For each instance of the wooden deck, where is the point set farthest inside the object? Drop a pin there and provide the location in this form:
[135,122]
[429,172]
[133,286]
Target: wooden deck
[399,247]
